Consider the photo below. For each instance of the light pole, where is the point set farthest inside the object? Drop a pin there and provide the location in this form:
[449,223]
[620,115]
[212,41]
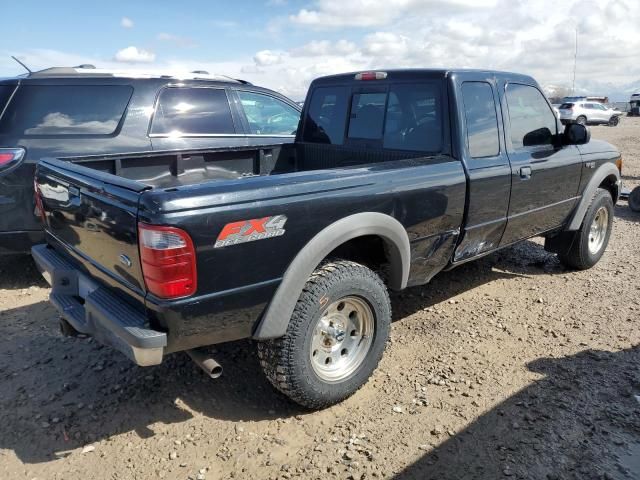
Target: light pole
[575,62]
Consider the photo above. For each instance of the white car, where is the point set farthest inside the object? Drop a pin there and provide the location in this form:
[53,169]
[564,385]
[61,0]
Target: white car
[583,112]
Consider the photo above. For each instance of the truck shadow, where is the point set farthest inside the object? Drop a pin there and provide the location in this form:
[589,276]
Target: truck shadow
[522,260]
[580,421]
[623,212]
[19,271]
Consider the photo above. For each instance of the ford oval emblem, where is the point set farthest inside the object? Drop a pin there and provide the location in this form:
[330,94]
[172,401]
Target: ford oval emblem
[126,261]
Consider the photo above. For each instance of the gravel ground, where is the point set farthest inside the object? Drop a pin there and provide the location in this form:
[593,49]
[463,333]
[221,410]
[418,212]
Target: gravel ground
[508,367]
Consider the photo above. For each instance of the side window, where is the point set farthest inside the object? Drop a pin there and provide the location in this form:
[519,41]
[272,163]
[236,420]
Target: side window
[66,110]
[481,118]
[268,115]
[367,115]
[414,120]
[192,111]
[326,116]
[532,121]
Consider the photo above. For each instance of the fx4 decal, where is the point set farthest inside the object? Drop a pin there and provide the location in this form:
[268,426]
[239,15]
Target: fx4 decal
[251,230]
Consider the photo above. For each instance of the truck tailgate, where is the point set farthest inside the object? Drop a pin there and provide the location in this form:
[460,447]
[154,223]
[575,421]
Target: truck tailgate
[93,214]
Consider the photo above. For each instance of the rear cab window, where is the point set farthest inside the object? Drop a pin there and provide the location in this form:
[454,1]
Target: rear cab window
[192,111]
[402,116]
[58,110]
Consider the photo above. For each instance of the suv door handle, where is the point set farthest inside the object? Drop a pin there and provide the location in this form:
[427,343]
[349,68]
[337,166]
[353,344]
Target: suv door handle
[525,173]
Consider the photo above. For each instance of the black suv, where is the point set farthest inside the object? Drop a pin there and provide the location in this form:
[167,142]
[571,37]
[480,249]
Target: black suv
[68,112]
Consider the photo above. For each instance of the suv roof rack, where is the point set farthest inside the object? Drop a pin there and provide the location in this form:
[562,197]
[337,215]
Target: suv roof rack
[88,70]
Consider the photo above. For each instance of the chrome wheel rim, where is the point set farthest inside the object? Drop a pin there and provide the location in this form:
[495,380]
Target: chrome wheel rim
[341,339]
[598,230]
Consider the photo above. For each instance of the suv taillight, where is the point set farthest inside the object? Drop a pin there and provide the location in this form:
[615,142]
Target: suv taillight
[168,261]
[10,158]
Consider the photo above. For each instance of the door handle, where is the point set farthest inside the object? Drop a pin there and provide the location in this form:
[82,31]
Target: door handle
[525,173]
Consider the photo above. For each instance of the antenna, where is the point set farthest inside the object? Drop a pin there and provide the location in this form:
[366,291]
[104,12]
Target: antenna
[575,62]
[26,68]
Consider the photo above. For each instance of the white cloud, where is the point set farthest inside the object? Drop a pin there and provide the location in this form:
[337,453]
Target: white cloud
[126,22]
[267,57]
[134,55]
[327,14]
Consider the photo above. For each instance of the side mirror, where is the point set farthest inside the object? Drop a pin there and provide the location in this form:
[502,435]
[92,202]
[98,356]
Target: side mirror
[576,134]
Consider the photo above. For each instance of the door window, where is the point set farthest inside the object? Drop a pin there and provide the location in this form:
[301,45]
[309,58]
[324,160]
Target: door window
[268,115]
[192,111]
[482,119]
[532,121]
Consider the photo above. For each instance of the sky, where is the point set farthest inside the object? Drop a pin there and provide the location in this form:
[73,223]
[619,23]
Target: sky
[284,44]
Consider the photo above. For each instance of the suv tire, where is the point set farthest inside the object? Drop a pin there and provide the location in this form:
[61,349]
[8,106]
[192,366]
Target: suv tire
[581,120]
[335,338]
[634,199]
[613,121]
[582,249]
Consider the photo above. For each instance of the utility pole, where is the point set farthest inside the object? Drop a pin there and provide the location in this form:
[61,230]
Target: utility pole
[575,63]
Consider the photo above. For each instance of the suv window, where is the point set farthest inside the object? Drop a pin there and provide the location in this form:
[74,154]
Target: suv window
[326,116]
[532,121]
[66,110]
[268,115]
[5,94]
[192,111]
[482,119]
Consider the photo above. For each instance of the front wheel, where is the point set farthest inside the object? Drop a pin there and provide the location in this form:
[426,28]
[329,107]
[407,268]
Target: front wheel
[613,121]
[583,249]
[581,120]
[335,338]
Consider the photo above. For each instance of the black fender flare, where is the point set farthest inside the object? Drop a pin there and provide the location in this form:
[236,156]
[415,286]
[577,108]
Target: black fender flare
[604,171]
[275,320]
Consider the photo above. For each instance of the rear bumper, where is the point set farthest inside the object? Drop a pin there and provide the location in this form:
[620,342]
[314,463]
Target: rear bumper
[19,242]
[93,310]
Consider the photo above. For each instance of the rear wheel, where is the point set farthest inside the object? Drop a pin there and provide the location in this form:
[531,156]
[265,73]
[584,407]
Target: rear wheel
[581,120]
[584,248]
[335,338]
[613,121]
[634,199]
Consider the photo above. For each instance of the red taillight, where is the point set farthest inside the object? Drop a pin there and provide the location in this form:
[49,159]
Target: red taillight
[39,206]
[168,261]
[371,76]
[10,157]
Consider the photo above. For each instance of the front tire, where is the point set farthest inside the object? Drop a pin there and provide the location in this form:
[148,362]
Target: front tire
[581,120]
[613,121]
[335,338]
[582,249]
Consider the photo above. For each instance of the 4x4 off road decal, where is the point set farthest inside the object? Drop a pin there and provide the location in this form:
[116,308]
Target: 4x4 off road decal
[251,230]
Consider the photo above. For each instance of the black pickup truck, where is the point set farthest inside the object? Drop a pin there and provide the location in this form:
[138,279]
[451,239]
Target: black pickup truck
[394,176]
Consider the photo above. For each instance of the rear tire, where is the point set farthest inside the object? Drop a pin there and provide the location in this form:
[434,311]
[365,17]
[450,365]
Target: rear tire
[582,249]
[335,338]
[581,120]
[634,199]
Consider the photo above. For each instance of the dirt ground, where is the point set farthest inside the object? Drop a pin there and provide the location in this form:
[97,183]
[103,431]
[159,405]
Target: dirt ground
[509,367]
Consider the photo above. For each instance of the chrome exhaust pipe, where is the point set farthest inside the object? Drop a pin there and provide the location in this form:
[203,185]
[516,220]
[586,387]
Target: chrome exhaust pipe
[205,362]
